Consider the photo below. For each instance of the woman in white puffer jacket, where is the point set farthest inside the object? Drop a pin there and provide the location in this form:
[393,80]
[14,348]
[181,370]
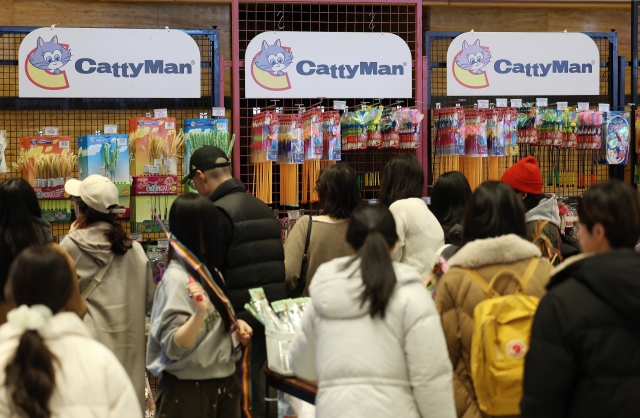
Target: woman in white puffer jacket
[372,337]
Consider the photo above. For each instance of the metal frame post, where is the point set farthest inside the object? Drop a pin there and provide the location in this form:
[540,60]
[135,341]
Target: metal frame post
[634,87]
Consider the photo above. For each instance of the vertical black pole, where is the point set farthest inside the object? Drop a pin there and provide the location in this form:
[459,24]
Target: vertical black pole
[634,86]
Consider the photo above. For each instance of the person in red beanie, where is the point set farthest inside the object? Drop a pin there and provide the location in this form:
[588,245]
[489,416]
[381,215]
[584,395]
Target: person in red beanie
[526,179]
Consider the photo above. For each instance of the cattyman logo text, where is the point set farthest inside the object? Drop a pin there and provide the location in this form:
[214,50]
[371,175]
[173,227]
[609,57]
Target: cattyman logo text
[131,70]
[348,71]
[541,70]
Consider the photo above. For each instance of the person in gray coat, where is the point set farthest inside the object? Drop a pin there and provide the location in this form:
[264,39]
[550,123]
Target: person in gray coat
[372,336]
[117,307]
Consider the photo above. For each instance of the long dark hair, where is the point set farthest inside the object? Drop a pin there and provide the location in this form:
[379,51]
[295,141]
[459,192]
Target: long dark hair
[120,242]
[492,211]
[402,178]
[449,196]
[40,275]
[337,188]
[18,204]
[372,234]
[194,222]
[616,206]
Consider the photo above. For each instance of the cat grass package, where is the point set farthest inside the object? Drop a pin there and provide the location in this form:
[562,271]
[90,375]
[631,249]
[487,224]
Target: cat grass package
[106,155]
[154,144]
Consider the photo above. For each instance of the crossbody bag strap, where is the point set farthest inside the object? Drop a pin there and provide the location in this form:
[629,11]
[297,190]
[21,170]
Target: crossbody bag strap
[302,282]
[97,279]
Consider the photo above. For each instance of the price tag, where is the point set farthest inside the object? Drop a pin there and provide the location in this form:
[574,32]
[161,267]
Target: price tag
[159,113]
[501,102]
[339,105]
[483,104]
[64,145]
[583,106]
[542,102]
[163,243]
[136,237]
[218,111]
[603,107]
[110,129]
[563,105]
[50,131]
[516,103]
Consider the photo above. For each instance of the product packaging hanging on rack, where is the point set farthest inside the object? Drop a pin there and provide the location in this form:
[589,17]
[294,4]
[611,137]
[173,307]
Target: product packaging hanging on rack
[590,130]
[409,121]
[47,163]
[475,143]
[527,133]
[450,131]
[154,144]
[570,130]
[312,134]
[290,144]
[617,137]
[264,132]
[374,132]
[331,136]
[108,156]
[390,135]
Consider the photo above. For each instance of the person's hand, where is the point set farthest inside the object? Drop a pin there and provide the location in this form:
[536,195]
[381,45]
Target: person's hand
[244,332]
[74,226]
[197,293]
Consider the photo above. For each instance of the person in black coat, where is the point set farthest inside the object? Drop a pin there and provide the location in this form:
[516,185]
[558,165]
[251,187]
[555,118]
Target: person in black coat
[584,359]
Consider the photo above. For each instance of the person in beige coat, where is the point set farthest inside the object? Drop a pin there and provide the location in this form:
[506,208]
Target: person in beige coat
[493,239]
[117,307]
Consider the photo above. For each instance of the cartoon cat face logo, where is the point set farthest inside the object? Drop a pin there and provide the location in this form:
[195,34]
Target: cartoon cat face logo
[50,56]
[469,63]
[44,64]
[473,57]
[269,65]
[274,58]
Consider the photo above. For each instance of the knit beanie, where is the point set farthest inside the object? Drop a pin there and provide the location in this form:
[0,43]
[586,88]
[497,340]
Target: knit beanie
[524,176]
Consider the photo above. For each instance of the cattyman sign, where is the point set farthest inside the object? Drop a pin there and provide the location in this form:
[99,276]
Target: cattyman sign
[514,63]
[327,64]
[103,63]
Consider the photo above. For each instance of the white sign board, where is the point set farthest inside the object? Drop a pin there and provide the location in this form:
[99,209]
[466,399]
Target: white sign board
[321,64]
[104,63]
[522,63]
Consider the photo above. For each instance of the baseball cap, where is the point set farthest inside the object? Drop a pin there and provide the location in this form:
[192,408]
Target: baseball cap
[98,192]
[205,159]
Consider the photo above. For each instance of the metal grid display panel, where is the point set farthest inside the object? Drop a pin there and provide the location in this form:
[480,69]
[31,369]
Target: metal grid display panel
[574,161]
[255,18]
[22,117]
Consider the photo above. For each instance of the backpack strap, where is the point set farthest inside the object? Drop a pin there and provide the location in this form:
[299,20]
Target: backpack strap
[528,273]
[488,287]
[480,281]
[97,279]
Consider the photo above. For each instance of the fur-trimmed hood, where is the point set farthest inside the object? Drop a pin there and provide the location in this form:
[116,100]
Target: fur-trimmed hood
[505,249]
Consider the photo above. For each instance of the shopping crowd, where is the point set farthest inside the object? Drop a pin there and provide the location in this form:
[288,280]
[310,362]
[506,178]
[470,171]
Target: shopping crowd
[478,305]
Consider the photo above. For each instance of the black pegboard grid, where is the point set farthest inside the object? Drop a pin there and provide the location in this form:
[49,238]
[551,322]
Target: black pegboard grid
[574,161]
[257,17]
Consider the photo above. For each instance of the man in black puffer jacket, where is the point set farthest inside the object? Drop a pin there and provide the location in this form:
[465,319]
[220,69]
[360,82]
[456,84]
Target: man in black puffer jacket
[584,359]
[252,253]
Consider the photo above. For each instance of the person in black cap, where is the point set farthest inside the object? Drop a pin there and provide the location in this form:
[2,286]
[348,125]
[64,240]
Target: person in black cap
[252,255]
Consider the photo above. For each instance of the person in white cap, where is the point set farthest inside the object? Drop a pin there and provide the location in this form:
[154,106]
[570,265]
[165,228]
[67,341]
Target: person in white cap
[114,274]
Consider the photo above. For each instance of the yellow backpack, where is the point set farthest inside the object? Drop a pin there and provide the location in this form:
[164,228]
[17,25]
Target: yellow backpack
[501,334]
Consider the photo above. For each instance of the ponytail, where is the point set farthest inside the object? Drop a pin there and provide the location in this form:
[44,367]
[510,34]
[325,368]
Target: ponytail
[372,234]
[30,377]
[378,276]
[120,242]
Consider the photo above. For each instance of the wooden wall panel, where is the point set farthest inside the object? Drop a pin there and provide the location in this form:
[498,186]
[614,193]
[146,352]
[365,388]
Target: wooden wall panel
[95,13]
